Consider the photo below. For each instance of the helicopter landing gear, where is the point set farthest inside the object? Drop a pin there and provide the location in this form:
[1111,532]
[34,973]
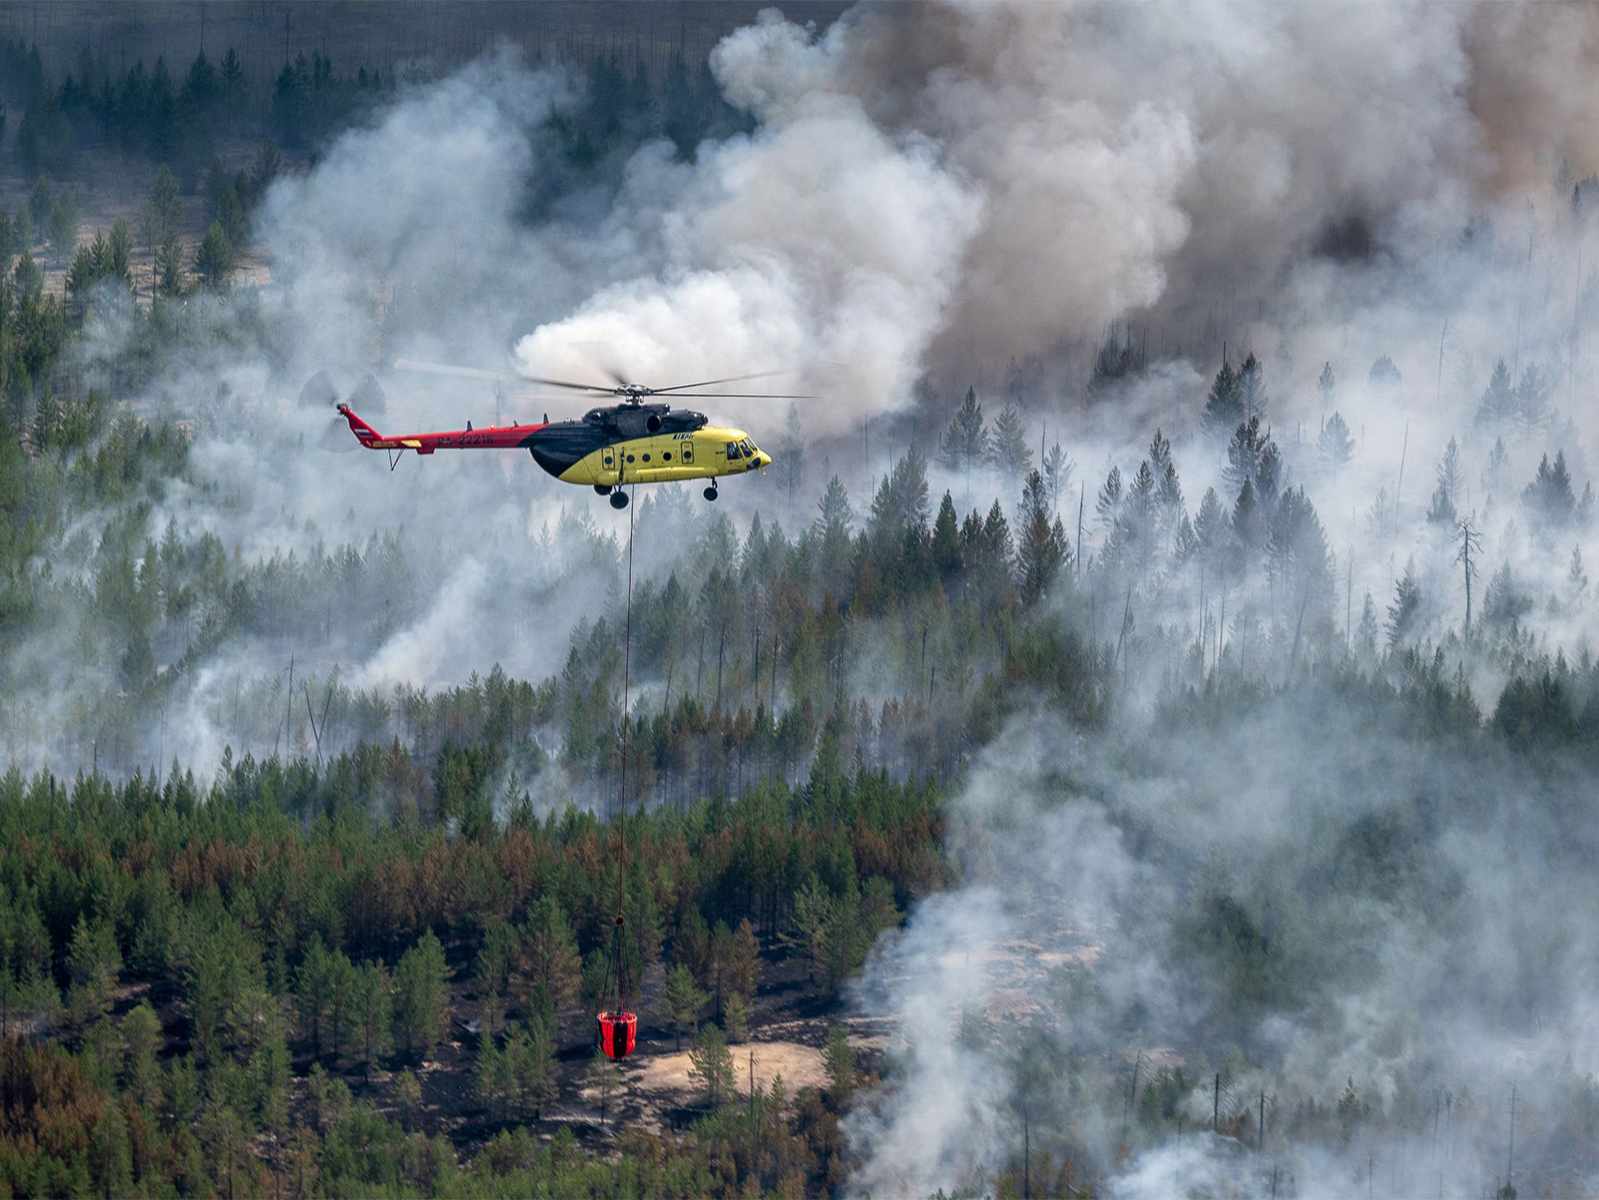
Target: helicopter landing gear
[710,492]
[619,499]
[602,489]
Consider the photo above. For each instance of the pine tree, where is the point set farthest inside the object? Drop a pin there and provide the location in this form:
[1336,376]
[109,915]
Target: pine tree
[63,227]
[1366,635]
[1008,451]
[1159,454]
[119,267]
[901,501]
[421,996]
[213,261]
[736,1019]
[683,1000]
[1249,527]
[1252,388]
[110,1154]
[1041,545]
[81,274]
[1404,614]
[831,528]
[711,1065]
[232,219]
[1245,451]
[314,993]
[744,963]
[233,82]
[1224,405]
[996,536]
[1532,394]
[1498,401]
[488,1077]
[549,951]
[531,1068]
[1108,505]
[1210,530]
[1505,603]
[341,1002]
[164,198]
[374,1013]
[1493,470]
[1442,510]
[215,188]
[1334,444]
[1385,373]
[1549,496]
[1327,386]
[1057,474]
[141,1030]
[27,277]
[965,442]
[40,201]
[946,542]
[1169,501]
[840,1066]
[169,267]
[408,1094]
[268,162]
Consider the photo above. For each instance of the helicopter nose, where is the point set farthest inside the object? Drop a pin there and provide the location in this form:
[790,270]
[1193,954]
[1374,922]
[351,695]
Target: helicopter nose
[762,459]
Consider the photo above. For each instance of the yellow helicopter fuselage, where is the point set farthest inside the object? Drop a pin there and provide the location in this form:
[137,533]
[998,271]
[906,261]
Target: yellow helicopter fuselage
[705,453]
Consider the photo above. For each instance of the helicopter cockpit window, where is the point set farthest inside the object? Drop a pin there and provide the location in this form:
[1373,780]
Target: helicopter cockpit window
[734,452]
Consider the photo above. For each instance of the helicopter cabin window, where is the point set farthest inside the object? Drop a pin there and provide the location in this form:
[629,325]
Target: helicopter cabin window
[733,452]
[666,456]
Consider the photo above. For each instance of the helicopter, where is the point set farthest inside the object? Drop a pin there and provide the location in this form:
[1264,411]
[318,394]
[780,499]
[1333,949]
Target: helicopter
[640,438]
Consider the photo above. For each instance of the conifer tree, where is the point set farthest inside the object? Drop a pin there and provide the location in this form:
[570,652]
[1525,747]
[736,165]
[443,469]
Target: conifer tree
[1498,401]
[1549,497]
[1041,545]
[1252,388]
[1334,444]
[965,443]
[1108,504]
[1008,451]
[549,952]
[1404,614]
[1224,405]
[683,1000]
[711,1066]
[946,542]
[214,260]
[1057,474]
[421,994]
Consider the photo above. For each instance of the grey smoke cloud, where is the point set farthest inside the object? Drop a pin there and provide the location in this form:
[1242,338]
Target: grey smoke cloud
[1295,882]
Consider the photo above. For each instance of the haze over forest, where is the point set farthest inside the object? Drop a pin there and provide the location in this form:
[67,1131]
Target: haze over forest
[1136,739]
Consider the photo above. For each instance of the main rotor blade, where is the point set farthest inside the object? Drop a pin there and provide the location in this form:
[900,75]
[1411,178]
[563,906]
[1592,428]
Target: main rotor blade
[561,383]
[730,379]
[736,396]
[433,368]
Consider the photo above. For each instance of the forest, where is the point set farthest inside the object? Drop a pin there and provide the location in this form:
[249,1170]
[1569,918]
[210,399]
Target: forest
[1078,766]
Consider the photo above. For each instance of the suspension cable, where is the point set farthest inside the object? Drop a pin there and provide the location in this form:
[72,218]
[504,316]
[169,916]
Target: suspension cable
[627,679]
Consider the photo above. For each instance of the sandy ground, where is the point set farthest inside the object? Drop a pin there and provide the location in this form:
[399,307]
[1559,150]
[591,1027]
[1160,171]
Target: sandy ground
[800,1066]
